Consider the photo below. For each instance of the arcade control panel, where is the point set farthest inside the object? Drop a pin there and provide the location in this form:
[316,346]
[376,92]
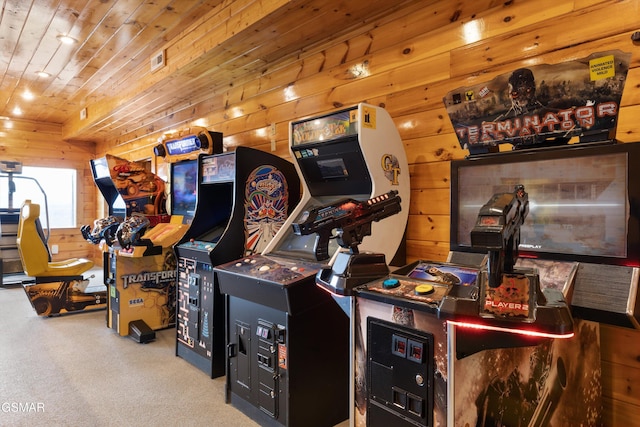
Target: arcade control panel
[424,286]
[281,271]
[276,282]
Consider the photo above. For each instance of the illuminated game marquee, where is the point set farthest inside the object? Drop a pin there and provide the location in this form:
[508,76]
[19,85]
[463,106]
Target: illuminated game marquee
[542,104]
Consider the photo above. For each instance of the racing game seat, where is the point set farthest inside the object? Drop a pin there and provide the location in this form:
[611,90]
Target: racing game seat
[34,252]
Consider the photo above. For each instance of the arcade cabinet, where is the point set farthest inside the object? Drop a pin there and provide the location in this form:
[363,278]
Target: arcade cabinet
[474,340]
[139,263]
[53,287]
[424,319]
[242,199]
[288,356]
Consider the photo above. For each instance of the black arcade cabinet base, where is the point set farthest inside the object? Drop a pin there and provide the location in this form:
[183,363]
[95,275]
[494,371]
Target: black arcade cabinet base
[288,344]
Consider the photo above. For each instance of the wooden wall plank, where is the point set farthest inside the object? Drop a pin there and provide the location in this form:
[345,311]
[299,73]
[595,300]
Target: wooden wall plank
[430,175]
[426,250]
[539,33]
[434,201]
[36,144]
[617,413]
[620,364]
[428,228]
[621,382]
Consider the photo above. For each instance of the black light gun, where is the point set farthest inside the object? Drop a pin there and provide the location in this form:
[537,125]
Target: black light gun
[497,230]
[350,218]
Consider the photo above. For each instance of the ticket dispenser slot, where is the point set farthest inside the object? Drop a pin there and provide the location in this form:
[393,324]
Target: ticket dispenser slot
[400,375]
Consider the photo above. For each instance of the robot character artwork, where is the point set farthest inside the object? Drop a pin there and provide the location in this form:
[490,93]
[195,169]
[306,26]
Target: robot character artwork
[541,105]
[103,229]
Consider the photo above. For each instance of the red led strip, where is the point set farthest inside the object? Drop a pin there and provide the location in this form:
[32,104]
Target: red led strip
[509,330]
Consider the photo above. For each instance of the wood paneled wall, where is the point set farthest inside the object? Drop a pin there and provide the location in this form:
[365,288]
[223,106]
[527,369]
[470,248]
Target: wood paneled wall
[405,62]
[41,144]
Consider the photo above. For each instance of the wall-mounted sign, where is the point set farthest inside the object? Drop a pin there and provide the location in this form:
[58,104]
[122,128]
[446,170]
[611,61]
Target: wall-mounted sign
[542,104]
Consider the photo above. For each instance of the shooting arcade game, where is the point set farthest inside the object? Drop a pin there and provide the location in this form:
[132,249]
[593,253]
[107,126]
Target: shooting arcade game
[139,262]
[288,354]
[497,334]
[243,198]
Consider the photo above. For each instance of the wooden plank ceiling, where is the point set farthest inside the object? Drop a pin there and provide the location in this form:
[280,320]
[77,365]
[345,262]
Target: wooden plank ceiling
[208,45]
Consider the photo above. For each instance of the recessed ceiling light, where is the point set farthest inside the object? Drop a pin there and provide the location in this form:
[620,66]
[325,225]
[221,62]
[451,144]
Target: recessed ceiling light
[67,39]
[17,111]
[43,74]
[27,95]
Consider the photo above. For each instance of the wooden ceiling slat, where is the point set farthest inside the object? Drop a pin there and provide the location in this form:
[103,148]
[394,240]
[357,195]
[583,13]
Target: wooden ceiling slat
[132,93]
[173,106]
[86,16]
[141,46]
[92,46]
[114,52]
[186,81]
[14,14]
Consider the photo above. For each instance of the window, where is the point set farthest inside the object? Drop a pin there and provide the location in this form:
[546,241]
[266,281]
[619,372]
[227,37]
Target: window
[58,184]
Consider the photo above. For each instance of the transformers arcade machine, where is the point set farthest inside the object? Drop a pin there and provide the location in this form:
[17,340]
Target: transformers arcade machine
[479,340]
[288,341]
[243,199]
[140,266]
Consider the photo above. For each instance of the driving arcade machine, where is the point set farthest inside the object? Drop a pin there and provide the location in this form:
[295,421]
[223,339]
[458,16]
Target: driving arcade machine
[288,355]
[53,287]
[138,281]
[243,199]
[140,265]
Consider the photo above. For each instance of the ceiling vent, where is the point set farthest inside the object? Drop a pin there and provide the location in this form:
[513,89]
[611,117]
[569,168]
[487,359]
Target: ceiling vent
[158,61]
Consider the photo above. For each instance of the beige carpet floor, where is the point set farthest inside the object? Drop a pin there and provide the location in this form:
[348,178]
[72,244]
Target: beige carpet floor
[72,370]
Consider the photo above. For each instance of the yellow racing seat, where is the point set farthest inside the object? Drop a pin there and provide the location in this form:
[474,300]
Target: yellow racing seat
[34,252]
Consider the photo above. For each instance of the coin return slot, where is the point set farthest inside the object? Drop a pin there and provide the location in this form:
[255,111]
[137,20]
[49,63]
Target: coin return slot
[415,405]
[399,397]
[264,360]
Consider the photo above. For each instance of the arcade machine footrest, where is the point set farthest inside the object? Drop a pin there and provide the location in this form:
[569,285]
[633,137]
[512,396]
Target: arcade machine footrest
[140,332]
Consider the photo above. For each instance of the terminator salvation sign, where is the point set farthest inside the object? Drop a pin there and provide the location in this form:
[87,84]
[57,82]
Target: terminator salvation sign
[541,104]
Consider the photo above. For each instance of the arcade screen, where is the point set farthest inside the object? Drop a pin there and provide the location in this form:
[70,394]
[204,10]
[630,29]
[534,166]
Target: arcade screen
[582,200]
[100,168]
[218,168]
[184,183]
